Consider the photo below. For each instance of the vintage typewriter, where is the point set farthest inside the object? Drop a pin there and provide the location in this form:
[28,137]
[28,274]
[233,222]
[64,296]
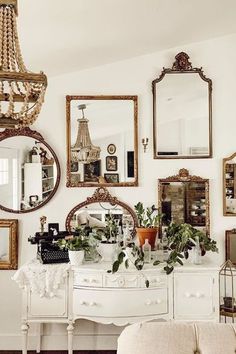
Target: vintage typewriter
[47,249]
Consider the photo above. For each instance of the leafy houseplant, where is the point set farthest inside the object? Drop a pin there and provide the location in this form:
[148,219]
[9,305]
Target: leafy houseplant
[148,223]
[181,239]
[76,246]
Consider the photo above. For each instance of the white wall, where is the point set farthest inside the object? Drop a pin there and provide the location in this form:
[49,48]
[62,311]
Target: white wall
[129,77]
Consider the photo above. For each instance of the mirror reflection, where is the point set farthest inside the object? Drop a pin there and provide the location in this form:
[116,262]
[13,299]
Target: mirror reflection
[95,215]
[229,182]
[28,173]
[102,134]
[182,112]
[185,199]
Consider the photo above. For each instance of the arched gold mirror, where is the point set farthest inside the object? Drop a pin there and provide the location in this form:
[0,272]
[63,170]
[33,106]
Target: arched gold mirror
[29,171]
[229,185]
[182,112]
[183,198]
[94,209]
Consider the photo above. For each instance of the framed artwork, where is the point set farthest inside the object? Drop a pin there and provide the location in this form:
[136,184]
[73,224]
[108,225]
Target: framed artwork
[111,177]
[230,245]
[53,229]
[111,149]
[92,171]
[74,166]
[111,163]
[130,164]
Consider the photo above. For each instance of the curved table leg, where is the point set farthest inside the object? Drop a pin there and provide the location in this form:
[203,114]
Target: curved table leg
[24,331]
[70,329]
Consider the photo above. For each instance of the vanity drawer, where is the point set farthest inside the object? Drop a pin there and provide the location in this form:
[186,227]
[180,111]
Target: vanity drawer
[155,281]
[119,303]
[48,306]
[121,281]
[88,280]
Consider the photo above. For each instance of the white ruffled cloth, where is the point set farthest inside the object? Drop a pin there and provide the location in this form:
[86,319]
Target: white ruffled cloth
[42,279]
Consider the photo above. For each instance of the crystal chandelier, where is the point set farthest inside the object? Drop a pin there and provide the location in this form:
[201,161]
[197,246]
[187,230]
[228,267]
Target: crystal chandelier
[21,92]
[83,150]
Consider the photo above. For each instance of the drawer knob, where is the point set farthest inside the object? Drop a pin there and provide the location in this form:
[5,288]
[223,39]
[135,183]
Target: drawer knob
[83,303]
[85,280]
[93,281]
[187,295]
[148,302]
[92,303]
[158,301]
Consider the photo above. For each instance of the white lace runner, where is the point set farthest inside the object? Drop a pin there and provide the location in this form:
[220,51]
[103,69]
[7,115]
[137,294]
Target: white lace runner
[42,279]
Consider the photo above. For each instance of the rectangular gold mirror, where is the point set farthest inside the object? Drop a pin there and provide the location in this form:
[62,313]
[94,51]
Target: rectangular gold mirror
[229,185]
[184,199]
[8,244]
[230,245]
[102,141]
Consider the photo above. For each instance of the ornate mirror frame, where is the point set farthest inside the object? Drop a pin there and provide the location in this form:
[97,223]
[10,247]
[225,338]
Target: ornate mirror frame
[9,133]
[181,65]
[71,183]
[12,225]
[225,160]
[101,195]
[184,176]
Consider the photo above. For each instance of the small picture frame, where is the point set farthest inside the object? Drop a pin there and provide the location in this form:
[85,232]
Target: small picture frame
[111,149]
[111,163]
[74,166]
[92,171]
[111,177]
[230,245]
[53,229]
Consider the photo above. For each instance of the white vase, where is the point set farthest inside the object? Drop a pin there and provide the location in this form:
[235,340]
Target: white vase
[76,257]
[107,250]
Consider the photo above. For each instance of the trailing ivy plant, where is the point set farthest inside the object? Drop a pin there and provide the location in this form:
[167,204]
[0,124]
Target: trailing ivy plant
[147,217]
[181,239]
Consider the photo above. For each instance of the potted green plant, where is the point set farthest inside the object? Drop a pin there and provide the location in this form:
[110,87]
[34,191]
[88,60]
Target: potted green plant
[76,246]
[182,238]
[148,224]
[108,238]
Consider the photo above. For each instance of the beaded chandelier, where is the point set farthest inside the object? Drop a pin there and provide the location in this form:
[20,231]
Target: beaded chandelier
[21,92]
[83,150]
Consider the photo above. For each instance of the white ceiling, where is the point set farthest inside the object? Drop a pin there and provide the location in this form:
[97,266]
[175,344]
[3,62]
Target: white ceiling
[59,36]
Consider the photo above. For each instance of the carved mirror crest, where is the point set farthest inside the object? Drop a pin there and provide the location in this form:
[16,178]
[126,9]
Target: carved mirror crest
[102,135]
[29,171]
[229,185]
[94,209]
[184,198]
[182,112]
[8,243]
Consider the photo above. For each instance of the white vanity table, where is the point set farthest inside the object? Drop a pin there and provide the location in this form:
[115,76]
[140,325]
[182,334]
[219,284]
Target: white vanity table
[88,292]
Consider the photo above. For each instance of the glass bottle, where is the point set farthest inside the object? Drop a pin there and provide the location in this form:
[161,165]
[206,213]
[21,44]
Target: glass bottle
[164,242]
[197,258]
[147,251]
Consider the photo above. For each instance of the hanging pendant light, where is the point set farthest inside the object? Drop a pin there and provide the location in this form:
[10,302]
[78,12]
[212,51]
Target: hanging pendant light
[21,92]
[83,150]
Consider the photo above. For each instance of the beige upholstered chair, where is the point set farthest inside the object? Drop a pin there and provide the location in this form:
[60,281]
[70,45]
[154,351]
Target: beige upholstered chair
[178,338]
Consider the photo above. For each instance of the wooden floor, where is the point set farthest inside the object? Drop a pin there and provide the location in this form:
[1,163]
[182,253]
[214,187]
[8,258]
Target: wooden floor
[60,352]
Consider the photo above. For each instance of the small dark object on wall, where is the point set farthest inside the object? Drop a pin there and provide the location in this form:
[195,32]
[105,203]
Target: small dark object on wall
[111,163]
[111,177]
[111,149]
[74,166]
[92,171]
[130,164]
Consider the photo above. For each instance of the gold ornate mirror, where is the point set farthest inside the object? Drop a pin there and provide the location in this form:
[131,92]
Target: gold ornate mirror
[230,245]
[102,135]
[185,199]
[182,112]
[229,185]
[94,209]
[8,243]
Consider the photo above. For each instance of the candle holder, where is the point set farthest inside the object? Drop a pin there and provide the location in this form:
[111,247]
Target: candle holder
[145,144]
